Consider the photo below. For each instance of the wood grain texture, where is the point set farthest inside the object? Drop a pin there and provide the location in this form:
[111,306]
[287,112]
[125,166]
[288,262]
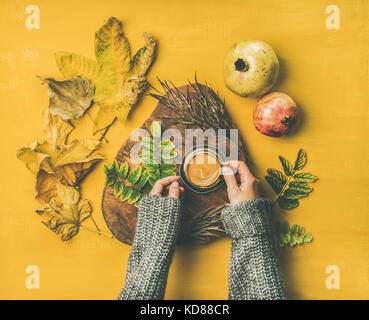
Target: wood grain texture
[121,216]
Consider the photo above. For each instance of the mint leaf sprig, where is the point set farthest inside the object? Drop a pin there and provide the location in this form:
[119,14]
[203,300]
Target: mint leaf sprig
[291,185]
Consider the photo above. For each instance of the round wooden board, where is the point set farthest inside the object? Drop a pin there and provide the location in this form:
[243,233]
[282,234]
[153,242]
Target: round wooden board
[121,217]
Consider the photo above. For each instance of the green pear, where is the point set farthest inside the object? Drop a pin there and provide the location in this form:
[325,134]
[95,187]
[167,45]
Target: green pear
[250,68]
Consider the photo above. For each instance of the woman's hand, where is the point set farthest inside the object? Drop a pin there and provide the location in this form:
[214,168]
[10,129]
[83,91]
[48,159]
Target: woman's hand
[249,187]
[169,183]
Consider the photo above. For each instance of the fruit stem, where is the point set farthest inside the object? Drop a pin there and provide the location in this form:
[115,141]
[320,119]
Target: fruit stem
[241,65]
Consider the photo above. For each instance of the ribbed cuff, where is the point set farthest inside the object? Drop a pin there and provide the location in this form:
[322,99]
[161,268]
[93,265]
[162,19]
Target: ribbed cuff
[247,218]
[158,217]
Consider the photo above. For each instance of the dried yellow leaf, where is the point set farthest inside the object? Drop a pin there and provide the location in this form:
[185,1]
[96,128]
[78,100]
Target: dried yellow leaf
[66,212]
[55,161]
[118,78]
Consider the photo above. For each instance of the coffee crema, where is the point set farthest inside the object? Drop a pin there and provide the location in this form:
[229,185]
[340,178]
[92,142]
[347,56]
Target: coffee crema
[203,170]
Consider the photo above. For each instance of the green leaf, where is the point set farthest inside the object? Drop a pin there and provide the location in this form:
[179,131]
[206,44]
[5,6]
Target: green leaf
[300,186]
[143,179]
[287,204]
[295,229]
[123,170]
[291,236]
[293,242]
[151,167]
[165,155]
[152,181]
[294,194]
[110,180]
[167,144]
[126,193]
[147,188]
[146,151]
[308,238]
[154,174]
[278,175]
[274,183]
[147,158]
[156,130]
[137,204]
[147,142]
[114,168]
[167,173]
[135,175]
[168,166]
[285,227]
[301,231]
[305,177]
[301,160]
[135,196]
[287,238]
[106,169]
[287,166]
[118,188]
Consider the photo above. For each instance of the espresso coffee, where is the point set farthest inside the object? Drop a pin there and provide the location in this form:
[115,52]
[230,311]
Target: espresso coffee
[203,170]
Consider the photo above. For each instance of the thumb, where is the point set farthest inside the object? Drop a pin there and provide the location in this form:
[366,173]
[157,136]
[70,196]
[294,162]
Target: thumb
[174,190]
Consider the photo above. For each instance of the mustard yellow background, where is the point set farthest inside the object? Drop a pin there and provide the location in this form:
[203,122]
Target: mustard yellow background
[325,71]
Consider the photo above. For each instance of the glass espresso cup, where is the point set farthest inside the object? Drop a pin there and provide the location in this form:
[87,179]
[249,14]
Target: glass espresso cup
[200,170]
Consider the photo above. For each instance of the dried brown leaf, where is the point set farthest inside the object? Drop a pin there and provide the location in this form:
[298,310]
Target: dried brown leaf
[55,161]
[71,98]
[66,212]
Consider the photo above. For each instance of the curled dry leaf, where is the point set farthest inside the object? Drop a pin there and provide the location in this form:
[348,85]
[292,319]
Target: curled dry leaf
[119,79]
[55,161]
[71,98]
[65,213]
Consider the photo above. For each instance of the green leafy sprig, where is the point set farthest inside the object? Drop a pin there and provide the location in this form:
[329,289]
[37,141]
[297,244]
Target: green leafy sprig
[130,184]
[292,184]
[157,155]
[291,236]
[124,181]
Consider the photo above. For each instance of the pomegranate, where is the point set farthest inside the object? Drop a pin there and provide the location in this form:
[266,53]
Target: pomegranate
[250,68]
[275,114]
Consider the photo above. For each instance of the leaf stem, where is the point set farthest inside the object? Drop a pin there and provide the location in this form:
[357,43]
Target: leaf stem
[96,226]
[104,133]
[284,187]
[106,130]
[98,231]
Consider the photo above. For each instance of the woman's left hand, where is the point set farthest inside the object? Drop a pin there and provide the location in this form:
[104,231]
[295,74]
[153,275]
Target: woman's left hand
[169,183]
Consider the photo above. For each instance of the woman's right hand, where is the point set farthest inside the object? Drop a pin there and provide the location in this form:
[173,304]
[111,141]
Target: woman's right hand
[249,186]
[169,183]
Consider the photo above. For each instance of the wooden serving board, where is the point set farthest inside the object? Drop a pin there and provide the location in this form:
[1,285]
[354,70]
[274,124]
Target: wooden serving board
[121,217]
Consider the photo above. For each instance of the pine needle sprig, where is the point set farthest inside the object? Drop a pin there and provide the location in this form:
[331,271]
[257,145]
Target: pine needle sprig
[204,226]
[200,107]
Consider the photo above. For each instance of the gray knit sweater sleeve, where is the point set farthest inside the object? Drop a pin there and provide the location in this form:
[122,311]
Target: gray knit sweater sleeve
[152,248]
[253,266]
[254,271]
